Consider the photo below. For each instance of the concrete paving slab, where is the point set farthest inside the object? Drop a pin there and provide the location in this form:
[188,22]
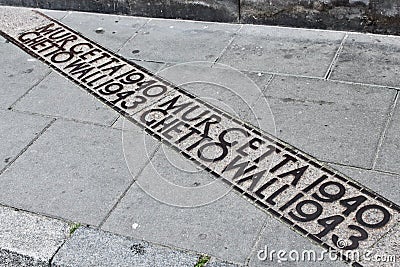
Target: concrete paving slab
[75,171]
[28,239]
[173,180]
[58,97]
[17,131]
[110,31]
[92,247]
[284,50]
[275,237]
[389,154]
[375,180]
[372,59]
[17,79]
[217,229]
[198,41]
[334,122]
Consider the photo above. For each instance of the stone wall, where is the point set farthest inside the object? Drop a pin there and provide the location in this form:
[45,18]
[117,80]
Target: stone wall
[378,16]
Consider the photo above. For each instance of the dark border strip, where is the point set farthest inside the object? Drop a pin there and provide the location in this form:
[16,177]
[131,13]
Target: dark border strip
[274,140]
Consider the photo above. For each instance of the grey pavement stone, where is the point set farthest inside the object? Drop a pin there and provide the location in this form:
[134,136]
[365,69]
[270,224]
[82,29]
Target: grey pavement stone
[74,171]
[389,154]
[17,131]
[91,247]
[179,41]
[110,31]
[334,122]
[376,181]
[218,229]
[284,50]
[57,96]
[18,74]
[27,239]
[228,89]
[372,59]
[277,236]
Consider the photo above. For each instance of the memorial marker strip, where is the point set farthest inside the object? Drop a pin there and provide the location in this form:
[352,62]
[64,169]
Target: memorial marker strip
[313,199]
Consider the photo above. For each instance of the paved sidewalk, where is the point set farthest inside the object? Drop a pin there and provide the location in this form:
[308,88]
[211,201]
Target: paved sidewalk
[67,158]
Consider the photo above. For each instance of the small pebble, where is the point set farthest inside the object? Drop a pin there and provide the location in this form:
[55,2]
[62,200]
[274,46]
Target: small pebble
[99,30]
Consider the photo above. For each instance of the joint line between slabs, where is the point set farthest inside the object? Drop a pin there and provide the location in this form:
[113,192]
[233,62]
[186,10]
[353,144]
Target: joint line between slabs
[58,249]
[227,46]
[115,120]
[49,116]
[362,168]
[262,93]
[66,15]
[268,84]
[27,146]
[133,36]
[128,188]
[30,89]
[336,57]
[385,129]
[257,241]
[384,235]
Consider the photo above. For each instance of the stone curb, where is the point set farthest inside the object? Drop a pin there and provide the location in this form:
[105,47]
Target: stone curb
[381,16]
[28,239]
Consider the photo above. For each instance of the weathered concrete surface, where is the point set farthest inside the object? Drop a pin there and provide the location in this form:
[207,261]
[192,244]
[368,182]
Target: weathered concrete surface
[378,16]
[27,239]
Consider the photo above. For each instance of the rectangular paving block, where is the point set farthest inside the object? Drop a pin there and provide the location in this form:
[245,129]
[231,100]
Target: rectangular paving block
[203,228]
[58,97]
[335,122]
[284,50]
[389,154]
[372,59]
[19,78]
[109,30]
[18,131]
[74,171]
[198,41]
[27,239]
[92,247]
